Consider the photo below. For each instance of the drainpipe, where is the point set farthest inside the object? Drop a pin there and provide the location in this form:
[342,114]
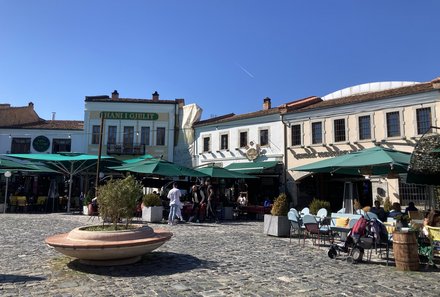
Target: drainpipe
[285,153]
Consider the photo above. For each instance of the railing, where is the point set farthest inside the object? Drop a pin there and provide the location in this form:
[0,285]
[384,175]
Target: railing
[125,149]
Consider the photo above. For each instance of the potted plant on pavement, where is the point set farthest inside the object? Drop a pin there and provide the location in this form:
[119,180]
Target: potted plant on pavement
[276,223]
[152,209]
[118,242]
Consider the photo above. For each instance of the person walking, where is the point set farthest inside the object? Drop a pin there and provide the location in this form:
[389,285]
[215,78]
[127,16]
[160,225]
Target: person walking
[211,208]
[174,195]
[196,199]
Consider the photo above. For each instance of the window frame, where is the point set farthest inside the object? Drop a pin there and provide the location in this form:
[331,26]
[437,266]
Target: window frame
[399,124]
[54,144]
[25,146]
[206,147]
[145,135]
[112,135]
[222,135]
[239,138]
[339,138]
[371,130]
[128,137]
[260,130]
[300,136]
[312,124]
[96,131]
[418,131]
[160,143]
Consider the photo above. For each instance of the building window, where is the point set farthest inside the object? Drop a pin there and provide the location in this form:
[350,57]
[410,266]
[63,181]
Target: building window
[364,127]
[316,132]
[95,134]
[296,135]
[224,142]
[206,144]
[339,130]
[264,137]
[243,139]
[393,124]
[111,136]
[128,136]
[61,145]
[423,120]
[145,135]
[160,136]
[21,145]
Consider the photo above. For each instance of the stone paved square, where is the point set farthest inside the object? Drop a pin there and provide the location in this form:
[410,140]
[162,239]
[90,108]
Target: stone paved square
[229,259]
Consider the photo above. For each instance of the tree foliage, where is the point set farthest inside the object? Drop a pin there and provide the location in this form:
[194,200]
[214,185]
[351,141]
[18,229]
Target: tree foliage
[117,199]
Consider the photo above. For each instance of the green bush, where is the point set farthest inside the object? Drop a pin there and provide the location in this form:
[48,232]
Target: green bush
[280,206]
[152,200]
[117,199]
[317,204]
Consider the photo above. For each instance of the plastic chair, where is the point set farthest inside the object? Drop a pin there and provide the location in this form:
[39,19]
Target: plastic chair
[22,203]
[434,238]
[322,213]
[305,211]
[295,223]
[312,228]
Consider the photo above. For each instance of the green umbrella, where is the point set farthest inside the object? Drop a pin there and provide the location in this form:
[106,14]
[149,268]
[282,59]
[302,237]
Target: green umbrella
[65,163]
[138,159]
[215,171]
[372,161]
[158,167]
[14,165]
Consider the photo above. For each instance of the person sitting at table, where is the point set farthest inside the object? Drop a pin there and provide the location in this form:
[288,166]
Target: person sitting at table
[411,207]
[396,210]
[379,211]
[242,200]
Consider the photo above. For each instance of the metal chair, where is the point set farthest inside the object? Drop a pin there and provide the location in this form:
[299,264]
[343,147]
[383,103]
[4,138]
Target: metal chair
[312,228]
[295,224]
[434,239]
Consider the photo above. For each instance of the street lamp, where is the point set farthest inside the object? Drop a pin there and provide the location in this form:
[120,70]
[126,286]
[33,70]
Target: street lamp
[7,176]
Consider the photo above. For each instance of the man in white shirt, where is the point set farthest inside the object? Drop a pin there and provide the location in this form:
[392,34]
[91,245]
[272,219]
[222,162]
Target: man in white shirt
[174,195]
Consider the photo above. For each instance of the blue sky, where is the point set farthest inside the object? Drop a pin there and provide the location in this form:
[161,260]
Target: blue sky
[224,55]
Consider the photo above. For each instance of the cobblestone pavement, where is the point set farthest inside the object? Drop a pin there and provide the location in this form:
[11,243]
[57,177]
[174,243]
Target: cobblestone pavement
[228,259]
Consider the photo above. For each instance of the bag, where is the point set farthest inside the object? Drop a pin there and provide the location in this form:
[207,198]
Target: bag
[360,227]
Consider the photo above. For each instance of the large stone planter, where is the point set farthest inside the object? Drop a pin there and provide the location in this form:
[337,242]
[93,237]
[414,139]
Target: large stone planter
[228,213]
[2,207]
[152,214]
[107,248]
[85,210]
[276,225]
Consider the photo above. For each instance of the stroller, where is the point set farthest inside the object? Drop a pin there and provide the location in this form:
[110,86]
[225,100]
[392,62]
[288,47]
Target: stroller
[364,234]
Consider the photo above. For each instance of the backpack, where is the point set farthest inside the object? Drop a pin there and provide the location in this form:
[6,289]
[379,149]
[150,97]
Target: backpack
[360,227]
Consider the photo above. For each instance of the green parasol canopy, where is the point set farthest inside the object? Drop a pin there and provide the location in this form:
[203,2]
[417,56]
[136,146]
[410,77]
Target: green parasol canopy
[371,161]
[158,167]
[138,159]
[66,163]
[215,171]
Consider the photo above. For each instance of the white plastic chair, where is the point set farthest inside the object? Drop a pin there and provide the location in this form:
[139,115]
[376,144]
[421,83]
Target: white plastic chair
[305,211]
[322,213]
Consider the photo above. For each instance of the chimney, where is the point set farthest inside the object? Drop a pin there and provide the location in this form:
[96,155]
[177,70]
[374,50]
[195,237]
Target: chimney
[180,102]
[115,95]
[53,115]
[156,96]
[266,103]
[31,105]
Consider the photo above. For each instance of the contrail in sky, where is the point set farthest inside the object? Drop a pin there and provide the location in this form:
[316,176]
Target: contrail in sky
[245,71]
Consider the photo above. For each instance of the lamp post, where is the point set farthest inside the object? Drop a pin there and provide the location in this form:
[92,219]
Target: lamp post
[7,176]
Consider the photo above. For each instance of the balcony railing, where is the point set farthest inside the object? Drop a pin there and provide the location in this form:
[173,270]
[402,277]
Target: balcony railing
[125,149]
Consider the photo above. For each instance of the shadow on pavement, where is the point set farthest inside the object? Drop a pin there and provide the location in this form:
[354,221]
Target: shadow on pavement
[13,278]
[155,263]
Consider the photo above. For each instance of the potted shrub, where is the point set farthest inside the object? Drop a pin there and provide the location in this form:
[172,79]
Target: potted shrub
[276,223]
[152,209]
[317,204]
[112,243]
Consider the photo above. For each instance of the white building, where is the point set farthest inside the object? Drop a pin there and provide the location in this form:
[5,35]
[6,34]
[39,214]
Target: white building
[135,127]
[22,131]
[251,143]
[390,114]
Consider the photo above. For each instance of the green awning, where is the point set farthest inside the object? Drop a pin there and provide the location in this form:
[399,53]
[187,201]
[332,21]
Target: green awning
[220,172]
[252,167]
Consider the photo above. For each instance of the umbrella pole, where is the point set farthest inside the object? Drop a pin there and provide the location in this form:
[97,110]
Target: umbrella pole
[70,188]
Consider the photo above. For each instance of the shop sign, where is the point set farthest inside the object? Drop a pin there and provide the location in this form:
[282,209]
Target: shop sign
[134,116]
[41,143]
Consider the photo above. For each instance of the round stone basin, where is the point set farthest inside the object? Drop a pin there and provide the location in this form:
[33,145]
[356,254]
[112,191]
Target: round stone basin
[108,248]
